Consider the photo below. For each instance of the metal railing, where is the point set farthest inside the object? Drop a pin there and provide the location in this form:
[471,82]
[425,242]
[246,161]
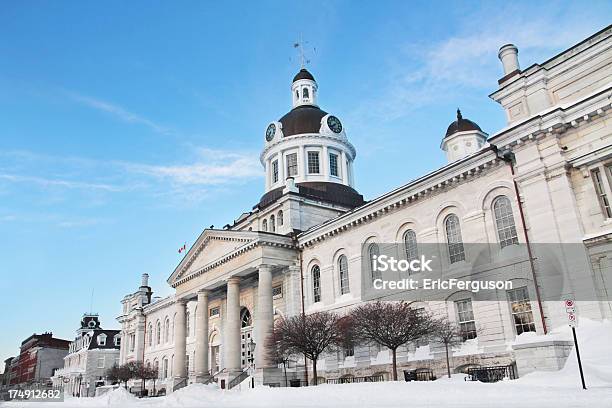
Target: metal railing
[491,374]
[419,375]
[180,384]
[347,380]
[237,380]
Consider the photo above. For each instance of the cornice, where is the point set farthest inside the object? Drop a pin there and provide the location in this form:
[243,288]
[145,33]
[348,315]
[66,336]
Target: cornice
[343,141]
[555,121]
[449,176]
[272,241]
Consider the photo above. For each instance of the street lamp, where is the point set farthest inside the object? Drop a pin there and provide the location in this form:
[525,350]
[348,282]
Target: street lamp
[251,345]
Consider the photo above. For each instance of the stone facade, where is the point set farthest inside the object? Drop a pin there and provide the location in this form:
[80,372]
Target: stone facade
[301,248]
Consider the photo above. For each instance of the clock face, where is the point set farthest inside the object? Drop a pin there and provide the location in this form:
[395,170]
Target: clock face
[270,131]
[334,124]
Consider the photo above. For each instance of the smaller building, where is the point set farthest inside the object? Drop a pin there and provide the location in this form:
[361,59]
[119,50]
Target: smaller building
[39,357]
[5,378]
[90,355]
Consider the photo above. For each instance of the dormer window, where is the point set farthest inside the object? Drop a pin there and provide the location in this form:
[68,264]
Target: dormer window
[102,339]
[117,340]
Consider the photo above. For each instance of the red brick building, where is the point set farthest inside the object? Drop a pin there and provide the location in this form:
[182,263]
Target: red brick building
[40,355]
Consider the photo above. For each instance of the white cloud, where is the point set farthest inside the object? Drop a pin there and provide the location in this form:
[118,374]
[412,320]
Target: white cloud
[214,167]
[429,72]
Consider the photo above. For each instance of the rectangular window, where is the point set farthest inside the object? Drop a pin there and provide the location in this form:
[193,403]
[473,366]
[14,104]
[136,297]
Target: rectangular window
[333,164]
[277,292]
[101,362]
[214,312]
[313,162]
[465,317]
[292,165]
[274,171]
[601,193]
[520,307]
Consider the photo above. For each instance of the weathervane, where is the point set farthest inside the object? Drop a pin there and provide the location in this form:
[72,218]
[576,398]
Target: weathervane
[300,46]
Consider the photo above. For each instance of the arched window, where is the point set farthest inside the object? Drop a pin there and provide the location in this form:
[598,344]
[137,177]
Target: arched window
[167,330]
[410,245]
[305,93]
[150,334]
[504,221]
[264,225]
[158,332]
[187,319]
[272,223]
[344,276]
[245,318]
[297,94]
[280,218]
[456,251]
[316,283]
[373,253]
[164,373]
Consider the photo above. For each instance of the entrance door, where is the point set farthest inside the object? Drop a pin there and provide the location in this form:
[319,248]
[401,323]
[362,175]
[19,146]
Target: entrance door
[245,336]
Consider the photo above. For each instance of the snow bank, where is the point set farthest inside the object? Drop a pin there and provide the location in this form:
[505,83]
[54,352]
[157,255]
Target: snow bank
[594,341]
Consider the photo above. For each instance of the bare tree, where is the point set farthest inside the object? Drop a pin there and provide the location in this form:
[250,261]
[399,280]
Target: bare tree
[390,324]
[143,372]
[449,334]
[278,354]
[119,373]
[310,335]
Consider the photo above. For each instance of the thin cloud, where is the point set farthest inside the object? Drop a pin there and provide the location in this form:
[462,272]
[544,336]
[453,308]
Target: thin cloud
[69,184]
[121,113]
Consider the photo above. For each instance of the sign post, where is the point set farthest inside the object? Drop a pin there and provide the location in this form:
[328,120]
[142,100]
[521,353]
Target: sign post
[570,309]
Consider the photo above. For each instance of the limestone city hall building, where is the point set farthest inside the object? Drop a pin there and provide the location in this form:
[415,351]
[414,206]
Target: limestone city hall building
[544,178]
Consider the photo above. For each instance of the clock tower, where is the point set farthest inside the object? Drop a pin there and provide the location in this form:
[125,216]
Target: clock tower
[308,145]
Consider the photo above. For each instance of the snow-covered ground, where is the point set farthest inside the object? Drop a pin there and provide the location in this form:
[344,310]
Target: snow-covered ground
[557,389]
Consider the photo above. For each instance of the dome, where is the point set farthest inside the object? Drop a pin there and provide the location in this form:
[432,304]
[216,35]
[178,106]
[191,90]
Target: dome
[303,74]
[302,119]
[461,125]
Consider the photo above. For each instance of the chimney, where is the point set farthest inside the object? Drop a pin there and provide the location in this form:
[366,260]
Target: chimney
[508,55]
[145,280]
[290,185]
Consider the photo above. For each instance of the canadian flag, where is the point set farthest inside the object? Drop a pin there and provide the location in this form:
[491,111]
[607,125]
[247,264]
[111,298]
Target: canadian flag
[183,248]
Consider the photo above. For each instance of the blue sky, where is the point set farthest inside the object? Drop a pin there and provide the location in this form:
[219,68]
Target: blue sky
[128,127]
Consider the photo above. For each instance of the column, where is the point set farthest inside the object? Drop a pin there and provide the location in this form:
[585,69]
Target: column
[265,316]
[343,167]
[324,163]
[281,167]
[180,341]
[231,344]
[201,351]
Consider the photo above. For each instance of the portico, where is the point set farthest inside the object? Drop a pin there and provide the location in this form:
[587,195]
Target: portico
[225,266]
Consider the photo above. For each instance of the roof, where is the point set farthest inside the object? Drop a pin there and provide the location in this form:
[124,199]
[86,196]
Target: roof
[302,119]
[334,193]
[461,125]
[303,74]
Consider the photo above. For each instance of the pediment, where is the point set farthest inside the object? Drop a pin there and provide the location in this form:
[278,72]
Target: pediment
[211,246]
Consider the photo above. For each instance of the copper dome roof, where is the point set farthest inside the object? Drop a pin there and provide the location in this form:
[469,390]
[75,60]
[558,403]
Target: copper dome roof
[302,119]
[303,74]
[461,125]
